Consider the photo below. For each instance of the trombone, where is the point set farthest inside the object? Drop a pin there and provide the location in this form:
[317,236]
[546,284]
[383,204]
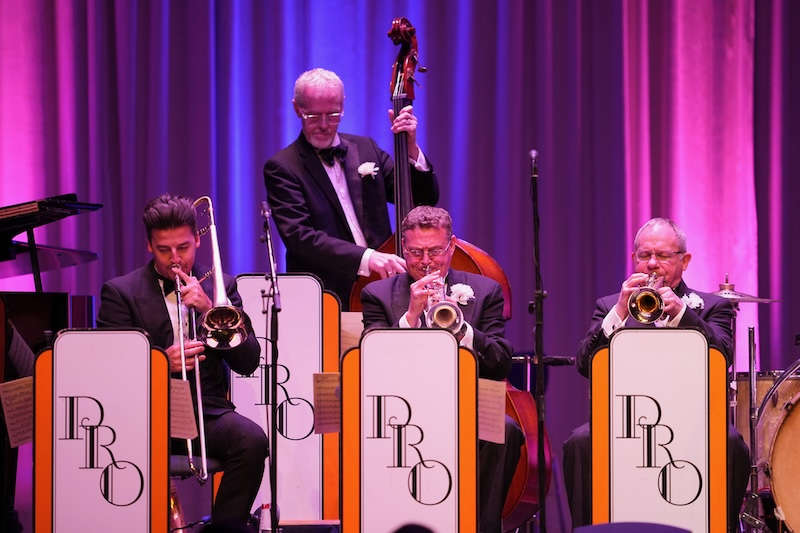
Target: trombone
[221,327]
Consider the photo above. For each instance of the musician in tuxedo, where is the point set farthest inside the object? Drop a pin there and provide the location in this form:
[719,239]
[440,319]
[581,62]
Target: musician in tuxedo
[659,248]
[401,301]
[17,362]
[328,190]
[145,298]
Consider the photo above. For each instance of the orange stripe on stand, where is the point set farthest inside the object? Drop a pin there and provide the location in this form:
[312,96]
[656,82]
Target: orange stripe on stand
[468,441]
[331,331]
[601,458]
[43,442]
[159,437]
[717,441]
[350,442]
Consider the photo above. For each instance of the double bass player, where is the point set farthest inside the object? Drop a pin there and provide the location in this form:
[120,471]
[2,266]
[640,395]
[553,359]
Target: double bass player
[328,190]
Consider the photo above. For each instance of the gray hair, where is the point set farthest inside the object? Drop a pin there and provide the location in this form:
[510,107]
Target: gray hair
[317,77]
[426,216]
[657,221]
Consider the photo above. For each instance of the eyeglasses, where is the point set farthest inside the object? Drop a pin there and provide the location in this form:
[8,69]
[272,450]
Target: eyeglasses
[316,118]
[661,257]
[419,253]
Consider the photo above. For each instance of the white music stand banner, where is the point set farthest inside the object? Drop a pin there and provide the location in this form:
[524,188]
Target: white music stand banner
[101,433]
[659,430]
[302,491]
[409,432]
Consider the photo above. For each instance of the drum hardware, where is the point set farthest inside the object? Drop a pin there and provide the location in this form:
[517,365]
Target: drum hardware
[777,461]
[645,304]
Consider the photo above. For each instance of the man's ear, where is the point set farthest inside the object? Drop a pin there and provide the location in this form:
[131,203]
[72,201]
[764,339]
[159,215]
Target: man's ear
[685,260]
[149,246]
[296,108]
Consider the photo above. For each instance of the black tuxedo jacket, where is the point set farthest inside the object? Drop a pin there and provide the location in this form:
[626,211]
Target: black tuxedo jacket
[714,320]
[310,218]
[136,300]
[386,301]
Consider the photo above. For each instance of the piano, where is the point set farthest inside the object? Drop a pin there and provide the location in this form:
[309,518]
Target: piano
[18,258]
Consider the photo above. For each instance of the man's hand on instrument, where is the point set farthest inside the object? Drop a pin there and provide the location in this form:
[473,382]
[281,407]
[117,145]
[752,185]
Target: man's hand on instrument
[192,293]
[420,291]
[192,350]
[672,304]
[406,121]
[386,265]
[636,280]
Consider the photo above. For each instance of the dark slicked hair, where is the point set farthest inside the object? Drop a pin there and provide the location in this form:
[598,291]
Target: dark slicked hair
[167,212]
[425,216]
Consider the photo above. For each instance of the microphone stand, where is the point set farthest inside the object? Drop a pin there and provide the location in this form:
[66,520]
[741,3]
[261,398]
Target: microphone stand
[273,294]
[536,308]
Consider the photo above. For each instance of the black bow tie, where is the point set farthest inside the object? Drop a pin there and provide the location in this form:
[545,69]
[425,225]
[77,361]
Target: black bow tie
[168,284]
[327,154]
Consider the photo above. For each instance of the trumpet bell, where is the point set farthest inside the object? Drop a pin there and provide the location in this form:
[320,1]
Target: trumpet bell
[646,305]
[446,315]
[222,327]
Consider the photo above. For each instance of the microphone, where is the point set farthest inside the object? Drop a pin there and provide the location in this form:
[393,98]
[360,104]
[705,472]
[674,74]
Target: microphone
[534,167]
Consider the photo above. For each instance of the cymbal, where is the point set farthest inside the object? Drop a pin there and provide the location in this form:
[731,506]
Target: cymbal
[50,258]
[726,290]
[740,297]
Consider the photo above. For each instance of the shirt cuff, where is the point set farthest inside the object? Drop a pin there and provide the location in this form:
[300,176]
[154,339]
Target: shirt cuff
[467,339]
[403,322]
[674,322]
[421,163]
[612,321]
[363,267]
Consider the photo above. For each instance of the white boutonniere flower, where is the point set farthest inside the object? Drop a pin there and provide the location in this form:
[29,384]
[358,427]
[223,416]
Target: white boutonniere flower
[693,301]
[368,169]
[462,293]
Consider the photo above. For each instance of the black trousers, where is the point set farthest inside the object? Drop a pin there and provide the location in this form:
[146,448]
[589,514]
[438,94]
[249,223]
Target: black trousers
[578,475]
[241,446]
[496,465]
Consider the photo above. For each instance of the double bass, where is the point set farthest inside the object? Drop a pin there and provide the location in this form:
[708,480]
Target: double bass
[522,499]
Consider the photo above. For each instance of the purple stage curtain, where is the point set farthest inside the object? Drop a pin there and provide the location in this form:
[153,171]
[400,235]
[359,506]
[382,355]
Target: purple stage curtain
[680,108]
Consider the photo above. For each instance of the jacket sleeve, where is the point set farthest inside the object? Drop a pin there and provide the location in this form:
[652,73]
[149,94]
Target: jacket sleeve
[493,349]
[295,224]
[244,358]
[424,184]
[594,339]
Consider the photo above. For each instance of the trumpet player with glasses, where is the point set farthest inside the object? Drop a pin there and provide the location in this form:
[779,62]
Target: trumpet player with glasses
[147,298]
[431,294]
[655,295]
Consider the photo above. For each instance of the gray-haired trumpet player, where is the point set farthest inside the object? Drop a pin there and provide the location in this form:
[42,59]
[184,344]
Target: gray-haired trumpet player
[655,295]
[408,299]
[146,298]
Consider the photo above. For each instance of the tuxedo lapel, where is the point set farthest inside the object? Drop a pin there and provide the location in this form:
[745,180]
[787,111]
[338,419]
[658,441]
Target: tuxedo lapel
[400,295]
[153,309]
[354,180]
[468,311]
[313,168]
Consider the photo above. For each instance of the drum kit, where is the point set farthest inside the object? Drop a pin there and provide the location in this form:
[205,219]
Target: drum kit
[764,415]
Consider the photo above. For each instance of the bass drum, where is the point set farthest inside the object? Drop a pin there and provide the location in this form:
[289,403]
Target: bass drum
[784,466]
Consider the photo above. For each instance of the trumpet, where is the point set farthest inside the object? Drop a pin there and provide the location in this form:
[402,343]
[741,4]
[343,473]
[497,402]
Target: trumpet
[442,313]
[645,304]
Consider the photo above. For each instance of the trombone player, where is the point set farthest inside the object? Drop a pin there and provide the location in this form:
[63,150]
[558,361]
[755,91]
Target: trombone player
[146,298]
